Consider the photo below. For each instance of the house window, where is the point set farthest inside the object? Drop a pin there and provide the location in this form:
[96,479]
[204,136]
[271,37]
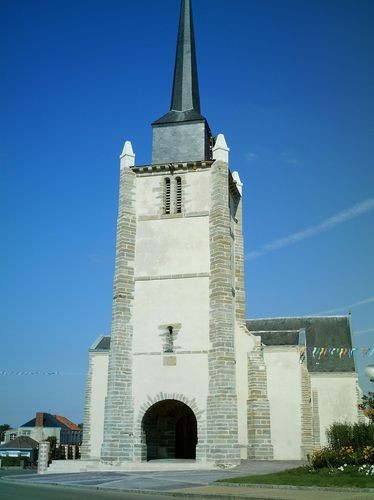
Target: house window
[167,195]
[178,195]
[12,436]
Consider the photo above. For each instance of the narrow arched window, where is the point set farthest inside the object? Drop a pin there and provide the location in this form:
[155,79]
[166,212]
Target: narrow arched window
[167,195]
[178,195]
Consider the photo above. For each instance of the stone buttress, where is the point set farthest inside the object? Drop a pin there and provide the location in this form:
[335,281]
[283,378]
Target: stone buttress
[118,426]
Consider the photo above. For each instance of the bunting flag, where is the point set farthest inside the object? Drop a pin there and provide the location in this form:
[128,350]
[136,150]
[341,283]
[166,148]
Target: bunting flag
[337,352]
[34,373]
[315,352]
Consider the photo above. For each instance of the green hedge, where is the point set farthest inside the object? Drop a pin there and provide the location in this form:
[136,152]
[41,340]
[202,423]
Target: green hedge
[357,436]
[12,461]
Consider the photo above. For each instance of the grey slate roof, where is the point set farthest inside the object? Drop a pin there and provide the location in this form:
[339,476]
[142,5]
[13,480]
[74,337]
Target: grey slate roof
[287,337]
[327,331]
[180,116]
[20,443]
[101,344]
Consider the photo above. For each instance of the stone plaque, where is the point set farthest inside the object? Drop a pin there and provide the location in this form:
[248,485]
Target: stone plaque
[169,360]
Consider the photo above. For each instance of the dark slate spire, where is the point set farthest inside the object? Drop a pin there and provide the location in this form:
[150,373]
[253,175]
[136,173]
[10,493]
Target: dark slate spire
[185,87]
[185,99]
[183,134]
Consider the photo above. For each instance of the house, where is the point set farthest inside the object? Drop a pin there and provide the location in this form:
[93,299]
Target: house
[46,425]
[22,446]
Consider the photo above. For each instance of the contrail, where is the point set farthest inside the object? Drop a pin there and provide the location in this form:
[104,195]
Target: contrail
[346,308]
[348,214]
[367,330]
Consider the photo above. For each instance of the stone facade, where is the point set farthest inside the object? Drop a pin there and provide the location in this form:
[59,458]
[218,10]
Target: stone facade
[148,326]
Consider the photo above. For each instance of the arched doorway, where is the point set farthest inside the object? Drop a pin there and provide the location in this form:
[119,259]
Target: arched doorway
[170,429]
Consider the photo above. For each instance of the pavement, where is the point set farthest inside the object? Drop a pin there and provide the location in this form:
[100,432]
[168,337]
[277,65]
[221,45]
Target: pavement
[190,483]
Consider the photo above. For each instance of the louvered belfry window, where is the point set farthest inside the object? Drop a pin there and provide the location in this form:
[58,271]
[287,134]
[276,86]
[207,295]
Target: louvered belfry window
[178,195]
[167,195]
[172,196]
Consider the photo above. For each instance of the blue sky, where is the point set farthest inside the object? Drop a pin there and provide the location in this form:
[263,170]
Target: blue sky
[289,83]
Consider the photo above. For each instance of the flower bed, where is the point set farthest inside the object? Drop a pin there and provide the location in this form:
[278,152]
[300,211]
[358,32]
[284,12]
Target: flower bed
[349,444]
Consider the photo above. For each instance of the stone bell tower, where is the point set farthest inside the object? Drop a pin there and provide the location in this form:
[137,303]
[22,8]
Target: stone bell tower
[178,293]
[183,374]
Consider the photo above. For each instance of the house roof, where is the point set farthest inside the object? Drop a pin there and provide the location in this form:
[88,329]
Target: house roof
[326,331]
[50,420]
[20,442]
[66,422]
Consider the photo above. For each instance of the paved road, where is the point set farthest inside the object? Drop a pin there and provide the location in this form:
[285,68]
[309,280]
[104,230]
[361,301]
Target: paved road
[9,491]
[165,484]
[18,491]
[157,481]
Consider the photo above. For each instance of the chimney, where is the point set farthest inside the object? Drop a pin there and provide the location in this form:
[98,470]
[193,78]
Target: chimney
[39,419]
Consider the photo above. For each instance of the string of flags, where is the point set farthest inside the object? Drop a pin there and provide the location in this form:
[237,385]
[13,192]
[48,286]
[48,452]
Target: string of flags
[316,352]
[338,352]
[35,373]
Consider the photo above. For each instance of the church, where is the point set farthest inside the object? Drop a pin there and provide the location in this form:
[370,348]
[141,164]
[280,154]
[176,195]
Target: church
[184,373]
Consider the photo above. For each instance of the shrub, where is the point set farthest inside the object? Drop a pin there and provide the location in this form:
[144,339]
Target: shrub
[367,455]
[12,461]
[356,436]
[362,435]
[339,435]
[325,457]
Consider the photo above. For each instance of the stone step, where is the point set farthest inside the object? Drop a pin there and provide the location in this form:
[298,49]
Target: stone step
[71,466]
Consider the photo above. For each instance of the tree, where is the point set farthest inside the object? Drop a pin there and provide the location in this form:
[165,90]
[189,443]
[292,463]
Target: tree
[367,406]
[52,447]
[3,428]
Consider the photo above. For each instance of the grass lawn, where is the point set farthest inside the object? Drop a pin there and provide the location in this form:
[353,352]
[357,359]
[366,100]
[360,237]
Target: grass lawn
[302,477]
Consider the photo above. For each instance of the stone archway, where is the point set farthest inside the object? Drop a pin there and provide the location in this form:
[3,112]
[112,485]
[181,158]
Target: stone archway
[170,430]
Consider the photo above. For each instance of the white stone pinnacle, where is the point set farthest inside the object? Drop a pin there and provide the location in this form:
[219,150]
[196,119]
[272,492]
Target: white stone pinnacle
[238,182]
[127,156]
[221,150]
